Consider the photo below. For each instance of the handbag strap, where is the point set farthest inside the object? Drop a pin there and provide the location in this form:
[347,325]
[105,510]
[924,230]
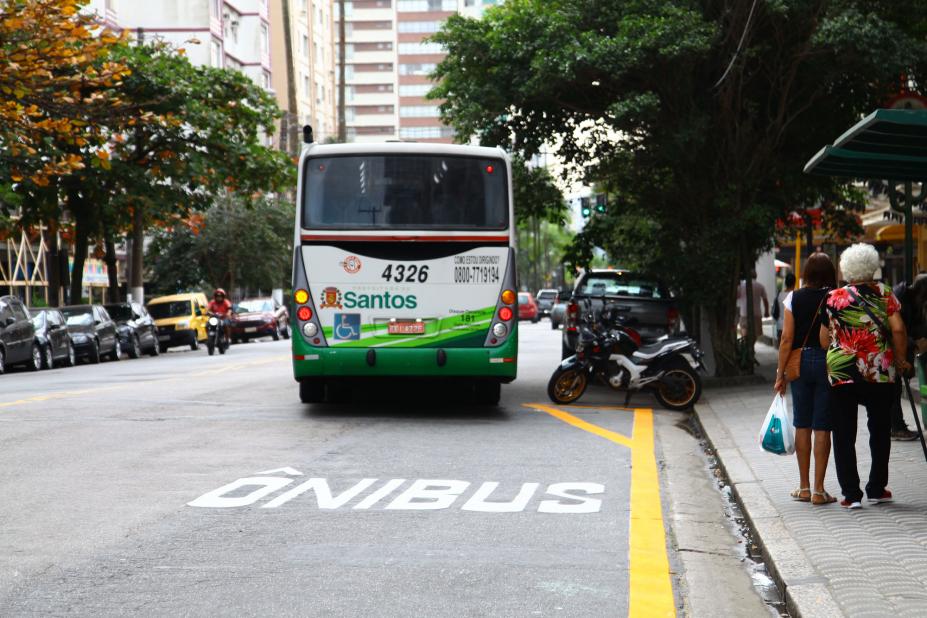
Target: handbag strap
[817,313]
[864,306]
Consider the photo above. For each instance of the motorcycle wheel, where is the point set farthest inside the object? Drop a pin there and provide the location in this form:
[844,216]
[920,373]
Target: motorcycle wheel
[210,347]
[567,385]
[679,388]
[223,346]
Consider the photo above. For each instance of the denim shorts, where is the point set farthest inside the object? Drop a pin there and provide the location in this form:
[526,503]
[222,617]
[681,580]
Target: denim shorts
[811,392]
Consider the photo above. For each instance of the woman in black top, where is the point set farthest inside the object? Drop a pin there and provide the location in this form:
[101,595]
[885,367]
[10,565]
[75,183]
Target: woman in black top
[804,316]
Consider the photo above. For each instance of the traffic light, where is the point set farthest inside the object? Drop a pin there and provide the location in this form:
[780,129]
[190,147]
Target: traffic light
[586,208]
[601,203]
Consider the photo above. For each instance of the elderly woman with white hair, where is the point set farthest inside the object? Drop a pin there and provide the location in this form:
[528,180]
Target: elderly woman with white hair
[867,348]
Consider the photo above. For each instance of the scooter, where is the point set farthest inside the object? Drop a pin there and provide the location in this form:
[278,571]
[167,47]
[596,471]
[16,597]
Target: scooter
[609,352]
[215,335]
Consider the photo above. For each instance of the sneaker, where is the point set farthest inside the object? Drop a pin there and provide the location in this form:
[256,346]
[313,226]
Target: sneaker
[904,435]
[851,504]
[885,497]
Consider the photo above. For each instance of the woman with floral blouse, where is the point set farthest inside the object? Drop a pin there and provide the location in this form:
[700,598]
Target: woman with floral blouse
[867,344]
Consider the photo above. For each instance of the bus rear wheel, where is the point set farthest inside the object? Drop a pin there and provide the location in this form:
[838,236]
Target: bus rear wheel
[311,390]
[487,393]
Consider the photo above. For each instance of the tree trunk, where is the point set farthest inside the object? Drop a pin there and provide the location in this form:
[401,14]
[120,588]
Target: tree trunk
[136,282]
[111,267]
[724,340]
[81,242]
[53,264]
[342,127]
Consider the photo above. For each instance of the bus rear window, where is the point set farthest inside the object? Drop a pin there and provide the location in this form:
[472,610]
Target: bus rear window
[410,192]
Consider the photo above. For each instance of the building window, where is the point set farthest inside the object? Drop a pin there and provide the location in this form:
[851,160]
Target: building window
[419,26]
[215,54]
[421,48]
[368,110]
[304,46]
[265,80]
[417,68]
[425,132]
[372,47]
[419,111]
[264,40]
[372,4]
[372,25]
[427,5]
[306,91]
[414,90]
[382,67]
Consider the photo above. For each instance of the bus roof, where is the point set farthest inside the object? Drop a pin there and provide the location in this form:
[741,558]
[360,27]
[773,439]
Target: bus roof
[327,150]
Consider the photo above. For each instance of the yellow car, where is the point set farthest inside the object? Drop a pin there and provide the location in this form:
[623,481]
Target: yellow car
[180,318]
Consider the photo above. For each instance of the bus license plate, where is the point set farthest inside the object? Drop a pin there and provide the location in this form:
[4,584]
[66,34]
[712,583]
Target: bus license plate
[406,328]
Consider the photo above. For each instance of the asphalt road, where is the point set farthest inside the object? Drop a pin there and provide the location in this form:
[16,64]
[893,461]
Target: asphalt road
[196,485]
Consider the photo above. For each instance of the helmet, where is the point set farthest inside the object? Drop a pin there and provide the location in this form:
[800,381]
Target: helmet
[219,291]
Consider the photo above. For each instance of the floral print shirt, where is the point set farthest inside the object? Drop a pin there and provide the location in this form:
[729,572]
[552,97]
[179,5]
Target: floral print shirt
[860,351]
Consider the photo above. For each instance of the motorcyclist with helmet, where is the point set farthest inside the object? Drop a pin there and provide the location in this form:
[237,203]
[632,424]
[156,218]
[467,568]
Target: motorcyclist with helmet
[220,307]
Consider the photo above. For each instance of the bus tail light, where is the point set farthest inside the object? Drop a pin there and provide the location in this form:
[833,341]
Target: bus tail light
[508,297]
[304,314]
[499,329]
[310,330]
[505,314]
[301,297]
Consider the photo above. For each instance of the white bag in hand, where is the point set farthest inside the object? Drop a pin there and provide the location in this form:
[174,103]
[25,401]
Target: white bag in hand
[777,434]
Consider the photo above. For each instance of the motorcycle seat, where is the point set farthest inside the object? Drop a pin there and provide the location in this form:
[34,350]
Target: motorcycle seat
[653,350]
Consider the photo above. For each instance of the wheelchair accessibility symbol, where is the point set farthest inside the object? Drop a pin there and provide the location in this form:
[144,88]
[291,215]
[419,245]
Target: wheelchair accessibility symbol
[347,326]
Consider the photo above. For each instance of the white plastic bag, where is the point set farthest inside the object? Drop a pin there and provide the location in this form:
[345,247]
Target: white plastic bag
[777,435]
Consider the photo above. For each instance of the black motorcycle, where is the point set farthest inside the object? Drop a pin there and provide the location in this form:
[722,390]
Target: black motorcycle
[609,352]
[216,338]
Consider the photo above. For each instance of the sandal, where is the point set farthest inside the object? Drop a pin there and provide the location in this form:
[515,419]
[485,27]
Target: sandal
[797,494]
[822,497]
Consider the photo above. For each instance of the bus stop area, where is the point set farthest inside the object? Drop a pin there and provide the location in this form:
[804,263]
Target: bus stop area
[828,560]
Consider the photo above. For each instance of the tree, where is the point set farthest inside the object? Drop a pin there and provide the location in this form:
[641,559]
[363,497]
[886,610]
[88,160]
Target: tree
[57,79]
[538,201]
[698,115]
[237,243]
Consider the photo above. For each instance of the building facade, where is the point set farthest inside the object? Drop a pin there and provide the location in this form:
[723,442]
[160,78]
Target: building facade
[388,63]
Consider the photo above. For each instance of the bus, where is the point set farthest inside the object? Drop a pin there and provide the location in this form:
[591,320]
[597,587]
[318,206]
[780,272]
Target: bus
[404,266]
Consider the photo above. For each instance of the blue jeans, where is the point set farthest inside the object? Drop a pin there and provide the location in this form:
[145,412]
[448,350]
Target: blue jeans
[811,392]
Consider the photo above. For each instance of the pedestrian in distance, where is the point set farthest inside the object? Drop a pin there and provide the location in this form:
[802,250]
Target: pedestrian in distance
[868,350]
[803,316]
[913,299]
[778,313]
[759,296]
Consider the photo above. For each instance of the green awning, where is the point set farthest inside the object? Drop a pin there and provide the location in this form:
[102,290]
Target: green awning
[888,144]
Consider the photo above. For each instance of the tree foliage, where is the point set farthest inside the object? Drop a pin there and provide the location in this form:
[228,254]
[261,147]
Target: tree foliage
[236,243]
[57,80]
[697,116]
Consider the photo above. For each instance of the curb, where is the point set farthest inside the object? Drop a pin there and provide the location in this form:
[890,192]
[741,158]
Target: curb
[805,591]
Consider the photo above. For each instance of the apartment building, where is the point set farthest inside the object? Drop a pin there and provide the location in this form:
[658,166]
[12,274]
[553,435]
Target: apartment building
[388,61]
[314,63]
[232,34]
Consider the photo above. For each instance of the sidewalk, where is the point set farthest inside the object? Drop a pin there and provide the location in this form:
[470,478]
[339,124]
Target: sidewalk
[830,561]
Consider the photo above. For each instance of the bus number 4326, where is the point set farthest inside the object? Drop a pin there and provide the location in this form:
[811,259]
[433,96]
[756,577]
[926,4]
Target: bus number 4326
[402,273]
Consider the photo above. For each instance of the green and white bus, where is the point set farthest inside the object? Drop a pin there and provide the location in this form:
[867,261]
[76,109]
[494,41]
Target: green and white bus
[404,266]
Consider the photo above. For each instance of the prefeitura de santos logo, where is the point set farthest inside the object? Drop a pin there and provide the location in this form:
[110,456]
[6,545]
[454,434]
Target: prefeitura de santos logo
[331,298]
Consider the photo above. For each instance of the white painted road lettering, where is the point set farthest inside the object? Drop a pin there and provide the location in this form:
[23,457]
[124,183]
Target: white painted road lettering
[420,495]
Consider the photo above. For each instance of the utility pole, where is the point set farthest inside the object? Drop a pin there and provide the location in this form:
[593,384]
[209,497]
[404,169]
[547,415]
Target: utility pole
[291,120]
[342,128]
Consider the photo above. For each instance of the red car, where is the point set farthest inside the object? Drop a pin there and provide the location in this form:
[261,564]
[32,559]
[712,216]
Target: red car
[259,317]
[527,307]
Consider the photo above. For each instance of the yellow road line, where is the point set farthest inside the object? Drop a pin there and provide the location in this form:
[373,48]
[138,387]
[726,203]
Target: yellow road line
[186,376]
[568,418]
[651,587]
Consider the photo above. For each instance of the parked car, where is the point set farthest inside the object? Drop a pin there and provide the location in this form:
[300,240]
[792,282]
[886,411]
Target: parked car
[17,336]
[136,329]
[527,308]
[93,332]
[51,333]
[644,303]
[259,317]
[180,318]
[546,300]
